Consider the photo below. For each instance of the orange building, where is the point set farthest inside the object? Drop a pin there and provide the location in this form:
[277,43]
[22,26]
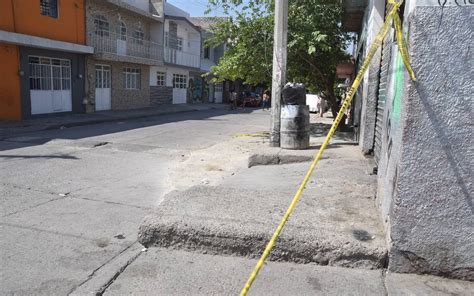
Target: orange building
[42,57]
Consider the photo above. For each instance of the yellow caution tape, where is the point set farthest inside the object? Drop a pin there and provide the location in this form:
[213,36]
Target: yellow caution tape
[402,46]
[373,48]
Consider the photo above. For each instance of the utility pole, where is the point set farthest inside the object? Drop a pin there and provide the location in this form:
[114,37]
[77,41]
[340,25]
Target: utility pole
[280,46]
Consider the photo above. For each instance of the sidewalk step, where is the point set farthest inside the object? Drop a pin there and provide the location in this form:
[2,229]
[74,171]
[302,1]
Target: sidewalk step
[232,221]
[335,223]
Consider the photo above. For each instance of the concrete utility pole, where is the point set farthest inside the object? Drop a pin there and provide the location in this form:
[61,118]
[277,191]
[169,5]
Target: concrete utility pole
[279,66]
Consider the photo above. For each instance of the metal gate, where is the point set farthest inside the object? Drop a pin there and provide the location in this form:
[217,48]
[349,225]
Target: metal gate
[50,85]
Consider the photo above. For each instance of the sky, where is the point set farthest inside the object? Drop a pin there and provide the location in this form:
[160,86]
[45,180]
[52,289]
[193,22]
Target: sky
[195,7]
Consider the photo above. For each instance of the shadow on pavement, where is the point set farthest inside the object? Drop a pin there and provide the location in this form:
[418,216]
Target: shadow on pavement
[320,129]
[25,139]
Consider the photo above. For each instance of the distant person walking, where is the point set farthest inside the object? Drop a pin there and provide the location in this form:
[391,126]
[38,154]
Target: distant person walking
[233,100]
[266,100]
[321,105]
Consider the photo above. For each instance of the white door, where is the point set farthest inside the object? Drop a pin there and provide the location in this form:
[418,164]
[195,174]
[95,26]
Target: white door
[180,85]
[179,95]
[218,92]
[50,85]
[103,93]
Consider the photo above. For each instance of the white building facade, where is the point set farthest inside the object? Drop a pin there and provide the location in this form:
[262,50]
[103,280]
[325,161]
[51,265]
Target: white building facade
[210,56]
[176,81]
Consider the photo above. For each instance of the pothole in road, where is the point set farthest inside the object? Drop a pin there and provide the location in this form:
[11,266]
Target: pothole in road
[100,144]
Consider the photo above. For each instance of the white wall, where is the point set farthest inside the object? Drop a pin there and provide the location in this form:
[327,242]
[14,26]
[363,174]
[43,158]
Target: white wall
[206,64]
[191,53]
[169,74]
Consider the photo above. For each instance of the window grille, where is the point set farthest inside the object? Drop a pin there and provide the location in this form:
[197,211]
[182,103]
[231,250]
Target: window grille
[49,74]
[180,81]
[161,78]
[138,36]
[102,27]
[218,87]
[131,78]
[49,8]
[122,31]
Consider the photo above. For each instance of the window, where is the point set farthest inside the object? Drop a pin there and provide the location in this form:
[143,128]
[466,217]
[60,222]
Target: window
[49,74]
[102,76]
[179,43]
[218,87]
[122,30]
[207,52]
[161,78]
[131,78]
[49,8]
[180,81]
[138,36]
[167,39]
[101,26]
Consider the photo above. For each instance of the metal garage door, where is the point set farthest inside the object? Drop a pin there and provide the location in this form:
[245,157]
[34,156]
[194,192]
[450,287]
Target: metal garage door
[50,85]
[382,93]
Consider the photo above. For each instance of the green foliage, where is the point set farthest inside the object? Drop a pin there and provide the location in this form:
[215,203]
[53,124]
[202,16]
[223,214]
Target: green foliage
[316,42]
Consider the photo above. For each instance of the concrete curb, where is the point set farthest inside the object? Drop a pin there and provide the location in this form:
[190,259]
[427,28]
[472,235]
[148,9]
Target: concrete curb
[213,220]
[291,249]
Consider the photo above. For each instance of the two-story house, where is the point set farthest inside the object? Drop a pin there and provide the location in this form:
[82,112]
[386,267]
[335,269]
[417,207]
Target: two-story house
[209,57]
[127,36]
[176,81]
[42,57]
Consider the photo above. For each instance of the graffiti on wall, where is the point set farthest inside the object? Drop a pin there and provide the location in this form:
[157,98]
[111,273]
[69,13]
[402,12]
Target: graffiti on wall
[394,108]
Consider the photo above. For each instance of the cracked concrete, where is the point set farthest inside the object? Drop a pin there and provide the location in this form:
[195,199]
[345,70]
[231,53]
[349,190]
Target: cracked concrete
[336,222]
[66,196]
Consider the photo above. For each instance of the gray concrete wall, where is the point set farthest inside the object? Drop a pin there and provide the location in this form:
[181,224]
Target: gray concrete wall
[121,98]
[425,179]
[160,95]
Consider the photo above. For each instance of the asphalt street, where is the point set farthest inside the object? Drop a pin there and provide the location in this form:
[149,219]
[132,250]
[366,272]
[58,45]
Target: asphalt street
[73,198]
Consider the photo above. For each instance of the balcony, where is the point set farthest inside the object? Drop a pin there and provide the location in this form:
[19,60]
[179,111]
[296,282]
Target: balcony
[115,47]
[182,58]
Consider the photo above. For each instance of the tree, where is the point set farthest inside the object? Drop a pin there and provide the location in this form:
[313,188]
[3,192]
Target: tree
[316,43]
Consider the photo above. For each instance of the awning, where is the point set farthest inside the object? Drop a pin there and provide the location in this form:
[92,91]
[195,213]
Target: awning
[45,43]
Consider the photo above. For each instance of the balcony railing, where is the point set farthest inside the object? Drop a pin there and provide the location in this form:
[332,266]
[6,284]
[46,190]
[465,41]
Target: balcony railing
[120,45]
[178,57]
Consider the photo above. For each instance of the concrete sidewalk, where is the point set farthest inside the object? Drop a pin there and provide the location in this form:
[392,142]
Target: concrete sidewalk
[167,272]
[336,222]
[205,236]
[13,128]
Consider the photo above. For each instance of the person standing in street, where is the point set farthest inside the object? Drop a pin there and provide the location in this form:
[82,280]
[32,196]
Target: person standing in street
[266,100]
